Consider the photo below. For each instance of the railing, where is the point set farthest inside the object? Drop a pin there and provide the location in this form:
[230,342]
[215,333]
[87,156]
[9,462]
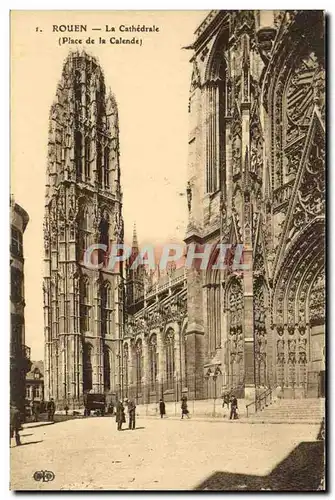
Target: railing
[261,401]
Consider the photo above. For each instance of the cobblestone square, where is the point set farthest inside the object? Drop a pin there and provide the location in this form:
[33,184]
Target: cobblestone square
[164,454]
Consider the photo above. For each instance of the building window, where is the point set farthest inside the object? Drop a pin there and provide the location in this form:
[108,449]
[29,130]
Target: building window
[85,306]
[125,368]
[169,359]
[78,145]
[99,163]
[87,158]
[153,361]
[36,392]
[16,284]
[107,369]
[106,310]
[215,126]
[106,166]
[28,392]
[16,243]
[87,367]
[84,235]
[138,353]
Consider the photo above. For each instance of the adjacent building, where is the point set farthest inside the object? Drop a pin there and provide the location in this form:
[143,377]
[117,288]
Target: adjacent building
[35,383]
[83,308]
[19,352]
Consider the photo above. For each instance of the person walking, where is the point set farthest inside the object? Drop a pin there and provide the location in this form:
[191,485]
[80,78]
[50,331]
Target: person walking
[161,408]
[51,410]
[233,407]
[36,410]
[184,410]
[132,414]
[120,417]
[225,400]
[15,424]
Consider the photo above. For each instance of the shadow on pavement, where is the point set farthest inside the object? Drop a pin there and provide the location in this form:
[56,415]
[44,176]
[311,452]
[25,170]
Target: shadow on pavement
[302,470]
[25,444]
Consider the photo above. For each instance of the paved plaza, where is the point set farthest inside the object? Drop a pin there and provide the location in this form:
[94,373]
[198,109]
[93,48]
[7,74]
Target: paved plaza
[167,454]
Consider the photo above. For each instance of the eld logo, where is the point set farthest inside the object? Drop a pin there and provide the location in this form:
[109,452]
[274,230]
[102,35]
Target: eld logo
[44,475]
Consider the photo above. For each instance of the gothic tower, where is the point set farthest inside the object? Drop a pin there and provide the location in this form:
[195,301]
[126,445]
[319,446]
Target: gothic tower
[83,306]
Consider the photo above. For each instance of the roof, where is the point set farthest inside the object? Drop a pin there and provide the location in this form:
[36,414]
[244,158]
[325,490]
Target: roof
[39,365]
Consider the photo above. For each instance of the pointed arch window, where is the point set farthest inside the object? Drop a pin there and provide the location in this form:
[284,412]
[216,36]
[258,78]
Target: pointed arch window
[107,369]
[85,305]
[104,229]
[215,126]
[77,88]
[78,153]
[99,162]
[153,361]
[214,313]
[84,233]
[139,367]
[87,367]
[106,310]
[106,166]
[126,368]
[87,158]
[169,359]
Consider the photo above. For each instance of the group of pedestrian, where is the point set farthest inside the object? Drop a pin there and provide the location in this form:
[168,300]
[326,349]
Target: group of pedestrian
[120,414]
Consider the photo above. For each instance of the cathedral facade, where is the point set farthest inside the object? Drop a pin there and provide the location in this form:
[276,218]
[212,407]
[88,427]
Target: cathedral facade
[256,176]
[83,307]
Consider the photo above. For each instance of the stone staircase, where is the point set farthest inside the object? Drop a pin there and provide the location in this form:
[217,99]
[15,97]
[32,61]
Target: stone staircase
[311,411]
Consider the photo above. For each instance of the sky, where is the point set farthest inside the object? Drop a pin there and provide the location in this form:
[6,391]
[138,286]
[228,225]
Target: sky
[151,85]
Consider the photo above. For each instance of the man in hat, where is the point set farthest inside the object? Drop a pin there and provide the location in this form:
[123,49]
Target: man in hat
[51,407]
[233,407]
[161,408]
[132,414]
[119,416]
[15,424]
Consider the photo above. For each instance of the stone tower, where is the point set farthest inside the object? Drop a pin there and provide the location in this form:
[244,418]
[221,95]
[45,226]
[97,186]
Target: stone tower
[83,307]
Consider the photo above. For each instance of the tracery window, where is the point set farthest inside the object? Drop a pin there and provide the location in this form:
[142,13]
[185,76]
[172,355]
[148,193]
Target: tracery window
[106,309]
[153,361]
[78,152]
[169,359]
[214,313]
[107,369]
[87,158]
[125,368]
[87,367]
[84,233]
[215,102]
[85,305]
[106,166]
[139,368]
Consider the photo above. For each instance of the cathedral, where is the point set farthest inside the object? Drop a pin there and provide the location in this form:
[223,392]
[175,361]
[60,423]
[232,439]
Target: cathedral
[256,177]
[83,308]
